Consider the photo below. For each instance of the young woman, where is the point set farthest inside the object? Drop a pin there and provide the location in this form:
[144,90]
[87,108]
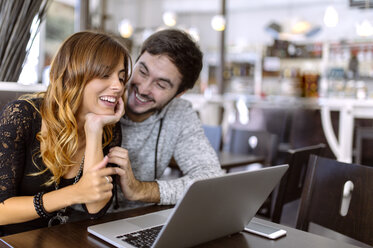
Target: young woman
[52,144]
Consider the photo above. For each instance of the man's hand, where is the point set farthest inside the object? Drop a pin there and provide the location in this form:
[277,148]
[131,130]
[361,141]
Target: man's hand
[132,188]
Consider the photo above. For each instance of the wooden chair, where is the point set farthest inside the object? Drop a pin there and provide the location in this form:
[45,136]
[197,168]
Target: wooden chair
[260,142]
[291,184]
[338,196]
[214,135]
[362,133]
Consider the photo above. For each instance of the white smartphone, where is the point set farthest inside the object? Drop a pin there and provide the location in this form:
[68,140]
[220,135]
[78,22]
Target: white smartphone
[269,232]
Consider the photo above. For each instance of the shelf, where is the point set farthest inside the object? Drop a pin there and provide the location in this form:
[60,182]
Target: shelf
[16,87]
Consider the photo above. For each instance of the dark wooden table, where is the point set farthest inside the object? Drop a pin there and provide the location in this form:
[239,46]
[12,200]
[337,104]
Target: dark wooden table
[73,235]
[230,160]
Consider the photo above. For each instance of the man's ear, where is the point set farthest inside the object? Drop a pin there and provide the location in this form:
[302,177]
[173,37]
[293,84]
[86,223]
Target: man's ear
[181,93]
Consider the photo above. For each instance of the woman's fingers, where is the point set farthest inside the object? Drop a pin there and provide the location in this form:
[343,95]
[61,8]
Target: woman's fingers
[96,121]
[119,109]
[97,183]
[106,173]
[108,179]
[101,164]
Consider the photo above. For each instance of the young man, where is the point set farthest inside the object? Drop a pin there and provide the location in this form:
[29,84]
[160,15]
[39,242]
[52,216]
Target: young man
[159,126]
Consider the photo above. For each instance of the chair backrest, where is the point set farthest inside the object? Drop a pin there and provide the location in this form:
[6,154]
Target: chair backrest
[362,133]
[8,96]
[291,184]
[256,142]
[214,135]
[278,121]
[333,189]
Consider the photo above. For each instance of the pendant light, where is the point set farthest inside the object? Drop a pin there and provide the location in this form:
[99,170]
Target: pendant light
[218,23]
[169,18]
[365,28]
[331,17]
[125,28]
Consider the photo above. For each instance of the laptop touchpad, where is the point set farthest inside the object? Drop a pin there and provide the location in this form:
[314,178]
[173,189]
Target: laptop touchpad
[148,220]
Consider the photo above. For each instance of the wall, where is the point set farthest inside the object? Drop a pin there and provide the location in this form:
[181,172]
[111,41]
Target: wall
[246,20]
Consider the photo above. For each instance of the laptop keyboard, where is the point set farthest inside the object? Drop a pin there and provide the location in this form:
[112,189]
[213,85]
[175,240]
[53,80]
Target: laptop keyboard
[143,238]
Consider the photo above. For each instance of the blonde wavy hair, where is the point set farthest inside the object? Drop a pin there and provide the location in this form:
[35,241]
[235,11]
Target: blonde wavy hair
[82,57]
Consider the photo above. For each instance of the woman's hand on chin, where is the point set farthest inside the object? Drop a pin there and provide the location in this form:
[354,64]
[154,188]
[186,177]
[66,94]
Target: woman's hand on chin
[95,122]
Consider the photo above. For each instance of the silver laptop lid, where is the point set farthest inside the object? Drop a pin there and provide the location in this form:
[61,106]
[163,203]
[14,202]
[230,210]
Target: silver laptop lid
[217,207]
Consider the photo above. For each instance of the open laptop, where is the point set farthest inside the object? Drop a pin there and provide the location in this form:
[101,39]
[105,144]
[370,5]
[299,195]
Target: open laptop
[210,209]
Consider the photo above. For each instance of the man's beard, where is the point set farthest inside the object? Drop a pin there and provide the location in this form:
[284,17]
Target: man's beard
[151,110]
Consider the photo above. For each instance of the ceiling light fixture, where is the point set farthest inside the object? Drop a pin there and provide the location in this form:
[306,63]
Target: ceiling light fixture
[193,31]
[365,28]
[218,23]
[169,18]
[125,28]
[331,18]
[300,27]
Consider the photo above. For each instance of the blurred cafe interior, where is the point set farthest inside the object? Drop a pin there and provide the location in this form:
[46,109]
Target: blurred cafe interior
[301,70]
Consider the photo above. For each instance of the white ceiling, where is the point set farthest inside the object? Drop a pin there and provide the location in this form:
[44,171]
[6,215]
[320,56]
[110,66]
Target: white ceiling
[247,19]
[242,5]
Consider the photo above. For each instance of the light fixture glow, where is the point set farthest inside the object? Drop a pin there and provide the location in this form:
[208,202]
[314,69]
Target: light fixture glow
[331,17]
[169,18]
[218,23]
[193,31]
[301,27]
[364,28]
[125,28]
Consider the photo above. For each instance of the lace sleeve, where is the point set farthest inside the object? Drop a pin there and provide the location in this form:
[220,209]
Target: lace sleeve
[15,130]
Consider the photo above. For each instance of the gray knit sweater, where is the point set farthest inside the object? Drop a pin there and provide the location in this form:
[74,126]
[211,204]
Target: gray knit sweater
[181,137]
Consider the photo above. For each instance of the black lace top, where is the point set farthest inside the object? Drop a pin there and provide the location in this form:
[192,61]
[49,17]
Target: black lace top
[19,124]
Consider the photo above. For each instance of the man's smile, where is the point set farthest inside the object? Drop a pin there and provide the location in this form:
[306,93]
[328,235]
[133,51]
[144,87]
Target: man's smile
[141,98]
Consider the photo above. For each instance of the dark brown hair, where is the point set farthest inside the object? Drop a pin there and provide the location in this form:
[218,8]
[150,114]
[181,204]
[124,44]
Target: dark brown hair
[182,51]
